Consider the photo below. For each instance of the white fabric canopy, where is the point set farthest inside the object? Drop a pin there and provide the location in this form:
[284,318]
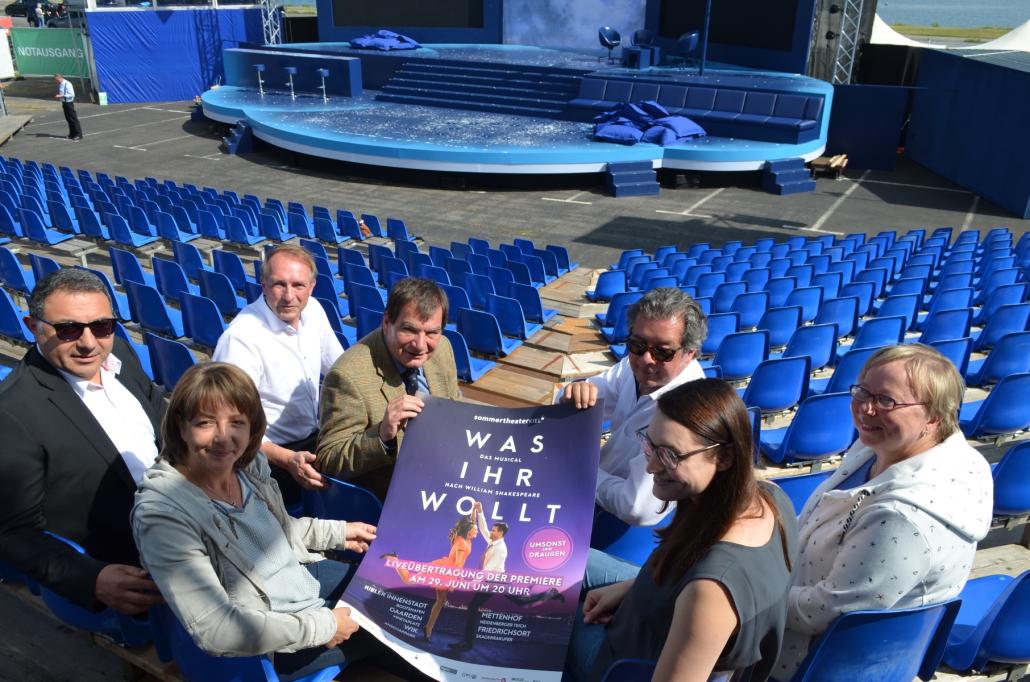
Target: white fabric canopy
[883,34]
[1018,39]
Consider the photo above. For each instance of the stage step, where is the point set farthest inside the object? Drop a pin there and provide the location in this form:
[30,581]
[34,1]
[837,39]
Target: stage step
[631,179]
[506,89]
[787,176]
[422,80]
[456,93]
[470,106]
[240,139]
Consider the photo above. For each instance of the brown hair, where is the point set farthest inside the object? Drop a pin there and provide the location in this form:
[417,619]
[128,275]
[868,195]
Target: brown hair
[933,379]
[715,414]
[205,386]
[461,528]
[426,294]
[291,251]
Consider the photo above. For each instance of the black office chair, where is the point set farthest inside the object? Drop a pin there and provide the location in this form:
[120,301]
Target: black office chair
[610,39]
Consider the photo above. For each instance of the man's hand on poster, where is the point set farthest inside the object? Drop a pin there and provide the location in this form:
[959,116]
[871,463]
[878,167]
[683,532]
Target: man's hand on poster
[582,393]
[345,626]
[600,604]
[398,411]
[359,535]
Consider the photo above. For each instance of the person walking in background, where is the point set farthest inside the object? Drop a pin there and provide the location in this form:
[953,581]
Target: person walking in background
[66,93]
[40,16]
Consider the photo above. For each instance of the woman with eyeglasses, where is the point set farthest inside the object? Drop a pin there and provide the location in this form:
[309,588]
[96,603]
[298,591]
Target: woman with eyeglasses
[711,599]
[896,525]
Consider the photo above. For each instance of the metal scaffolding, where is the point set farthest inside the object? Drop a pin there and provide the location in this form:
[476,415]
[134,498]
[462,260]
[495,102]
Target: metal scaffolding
[271,22]
[847,41]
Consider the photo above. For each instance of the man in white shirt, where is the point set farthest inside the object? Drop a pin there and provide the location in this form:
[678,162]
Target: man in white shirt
[285,346]
[667,328]
[494,556]
[78,422]
[66,93]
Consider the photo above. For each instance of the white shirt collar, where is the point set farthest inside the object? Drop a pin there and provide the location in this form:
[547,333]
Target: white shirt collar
[109,367]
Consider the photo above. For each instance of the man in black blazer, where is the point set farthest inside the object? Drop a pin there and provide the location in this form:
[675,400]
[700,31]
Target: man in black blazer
[78,425]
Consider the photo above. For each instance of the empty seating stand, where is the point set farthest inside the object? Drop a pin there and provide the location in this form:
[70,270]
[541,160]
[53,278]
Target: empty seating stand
[724,111]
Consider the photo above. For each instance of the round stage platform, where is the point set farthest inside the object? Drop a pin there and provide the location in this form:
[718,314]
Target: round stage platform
[366,131]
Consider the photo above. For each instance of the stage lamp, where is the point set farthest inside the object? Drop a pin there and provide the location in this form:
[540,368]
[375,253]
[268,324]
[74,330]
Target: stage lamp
[835,9]
[830,35]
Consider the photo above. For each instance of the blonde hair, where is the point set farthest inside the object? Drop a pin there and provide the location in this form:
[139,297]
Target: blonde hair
[933,379]
[291,251]
[205,386]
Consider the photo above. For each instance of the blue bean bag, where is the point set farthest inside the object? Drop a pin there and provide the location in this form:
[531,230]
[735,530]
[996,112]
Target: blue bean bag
[617,132]
[385,40]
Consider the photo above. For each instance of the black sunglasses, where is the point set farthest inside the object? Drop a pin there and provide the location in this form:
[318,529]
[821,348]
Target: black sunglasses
[637,347]
[71,331]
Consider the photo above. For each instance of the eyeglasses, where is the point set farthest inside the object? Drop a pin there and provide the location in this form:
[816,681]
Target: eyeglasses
[884,402]
[72,331]
[637,347]
[667,457]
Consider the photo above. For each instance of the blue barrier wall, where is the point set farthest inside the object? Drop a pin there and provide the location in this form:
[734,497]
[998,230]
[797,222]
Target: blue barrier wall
[344,72]
[865,124]
[490,32]
[166,55]
[968,124]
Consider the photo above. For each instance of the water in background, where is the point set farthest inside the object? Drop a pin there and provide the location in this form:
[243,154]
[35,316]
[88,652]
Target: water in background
[962,13]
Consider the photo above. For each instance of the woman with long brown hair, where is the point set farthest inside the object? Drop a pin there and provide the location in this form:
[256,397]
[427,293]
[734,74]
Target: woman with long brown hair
[711,599]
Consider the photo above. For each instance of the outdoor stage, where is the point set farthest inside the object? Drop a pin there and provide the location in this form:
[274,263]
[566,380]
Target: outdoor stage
[504,137]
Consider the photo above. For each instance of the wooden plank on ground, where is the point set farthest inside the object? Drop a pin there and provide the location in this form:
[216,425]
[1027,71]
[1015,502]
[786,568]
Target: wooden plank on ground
[505,387]
[11,124]
[568,343]
[1004,559]
[556,366]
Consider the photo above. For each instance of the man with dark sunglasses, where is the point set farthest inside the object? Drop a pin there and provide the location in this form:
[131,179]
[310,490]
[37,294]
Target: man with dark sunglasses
[667,328]
[78,422]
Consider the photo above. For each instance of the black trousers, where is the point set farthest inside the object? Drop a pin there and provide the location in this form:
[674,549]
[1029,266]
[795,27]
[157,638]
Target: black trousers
[74,129]
[288,486]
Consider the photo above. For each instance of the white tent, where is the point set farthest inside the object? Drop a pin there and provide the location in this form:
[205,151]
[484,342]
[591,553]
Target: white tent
[883,34]
[1018,39]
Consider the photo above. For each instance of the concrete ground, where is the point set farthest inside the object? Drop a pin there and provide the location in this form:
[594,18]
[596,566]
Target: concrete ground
[159,140]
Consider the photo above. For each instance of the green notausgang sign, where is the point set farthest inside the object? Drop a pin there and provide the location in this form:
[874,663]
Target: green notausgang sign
[46,51]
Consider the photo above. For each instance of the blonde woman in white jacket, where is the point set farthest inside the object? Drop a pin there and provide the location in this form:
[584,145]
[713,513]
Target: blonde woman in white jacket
[896,525]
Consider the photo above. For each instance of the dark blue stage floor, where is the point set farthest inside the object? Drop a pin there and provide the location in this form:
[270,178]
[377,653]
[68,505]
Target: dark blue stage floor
[381,133]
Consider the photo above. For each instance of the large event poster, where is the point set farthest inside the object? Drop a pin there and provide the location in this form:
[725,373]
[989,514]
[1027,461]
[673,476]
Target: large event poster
[498,605]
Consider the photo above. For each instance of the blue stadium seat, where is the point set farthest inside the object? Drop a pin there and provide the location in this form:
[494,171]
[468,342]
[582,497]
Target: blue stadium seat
[818,342]
[778,385]
[13,275]
[171,280]
[800,488]
[1011,355]
[126,267]
[511,319]
[608,284]
[991,626]
[195,665]
[123,630]
[202,320]
[367,320]
[151,312]
[529,298]
[780,323]
[231,265]
[740,353]
[470,368]
[821,428]
[483,334]
[12,324]
[1004,411]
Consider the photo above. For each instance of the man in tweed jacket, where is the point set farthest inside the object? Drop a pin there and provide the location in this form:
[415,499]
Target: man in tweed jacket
[373,389]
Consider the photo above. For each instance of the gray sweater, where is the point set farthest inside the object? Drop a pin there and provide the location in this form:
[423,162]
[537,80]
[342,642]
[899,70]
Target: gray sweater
[206,577]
